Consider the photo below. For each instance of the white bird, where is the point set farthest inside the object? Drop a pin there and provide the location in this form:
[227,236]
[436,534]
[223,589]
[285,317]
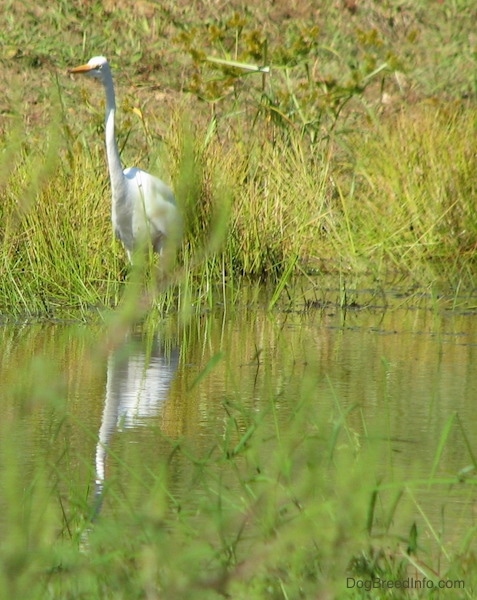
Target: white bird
[144,210]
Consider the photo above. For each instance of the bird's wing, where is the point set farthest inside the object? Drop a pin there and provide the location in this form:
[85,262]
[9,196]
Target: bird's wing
[149,185]
[154,204]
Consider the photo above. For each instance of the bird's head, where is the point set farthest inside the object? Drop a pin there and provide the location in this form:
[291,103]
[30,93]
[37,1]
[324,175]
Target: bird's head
[97,67]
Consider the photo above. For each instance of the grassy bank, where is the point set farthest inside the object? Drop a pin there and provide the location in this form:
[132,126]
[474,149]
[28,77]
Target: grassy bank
[356,154]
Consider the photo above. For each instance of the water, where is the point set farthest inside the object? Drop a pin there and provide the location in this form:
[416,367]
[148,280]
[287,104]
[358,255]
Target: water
[106,411]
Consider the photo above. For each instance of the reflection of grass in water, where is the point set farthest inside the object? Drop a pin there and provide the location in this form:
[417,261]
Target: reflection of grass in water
[274,505]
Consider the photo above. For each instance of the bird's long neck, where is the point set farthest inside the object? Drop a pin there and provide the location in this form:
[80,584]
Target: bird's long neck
[114,160]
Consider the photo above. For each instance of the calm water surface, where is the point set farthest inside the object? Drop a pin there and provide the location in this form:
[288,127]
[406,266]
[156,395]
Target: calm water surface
[107,411]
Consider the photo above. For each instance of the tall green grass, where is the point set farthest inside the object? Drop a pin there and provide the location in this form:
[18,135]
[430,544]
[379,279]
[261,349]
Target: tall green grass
[396,199]
[415,179]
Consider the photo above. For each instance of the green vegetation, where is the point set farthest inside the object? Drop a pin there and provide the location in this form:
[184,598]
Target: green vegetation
[355,153]
[353,156]
[274,495]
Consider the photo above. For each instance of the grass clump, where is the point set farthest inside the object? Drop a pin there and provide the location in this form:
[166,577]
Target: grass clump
[417,188]
[50,258]
[306,141]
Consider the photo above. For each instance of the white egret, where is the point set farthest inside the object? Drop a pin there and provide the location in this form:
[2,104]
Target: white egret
[144,210]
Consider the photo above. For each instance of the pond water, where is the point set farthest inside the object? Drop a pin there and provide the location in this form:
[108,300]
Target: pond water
[101,409]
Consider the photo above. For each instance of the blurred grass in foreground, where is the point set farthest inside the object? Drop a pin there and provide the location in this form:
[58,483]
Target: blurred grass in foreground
[276,504]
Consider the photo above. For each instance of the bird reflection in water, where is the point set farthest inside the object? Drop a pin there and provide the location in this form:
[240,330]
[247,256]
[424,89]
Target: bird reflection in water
[139,377]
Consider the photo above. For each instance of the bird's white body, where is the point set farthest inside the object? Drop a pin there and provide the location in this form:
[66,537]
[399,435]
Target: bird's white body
[144,211]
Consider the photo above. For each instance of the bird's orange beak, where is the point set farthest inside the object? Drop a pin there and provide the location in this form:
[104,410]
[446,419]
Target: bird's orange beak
[80,69]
